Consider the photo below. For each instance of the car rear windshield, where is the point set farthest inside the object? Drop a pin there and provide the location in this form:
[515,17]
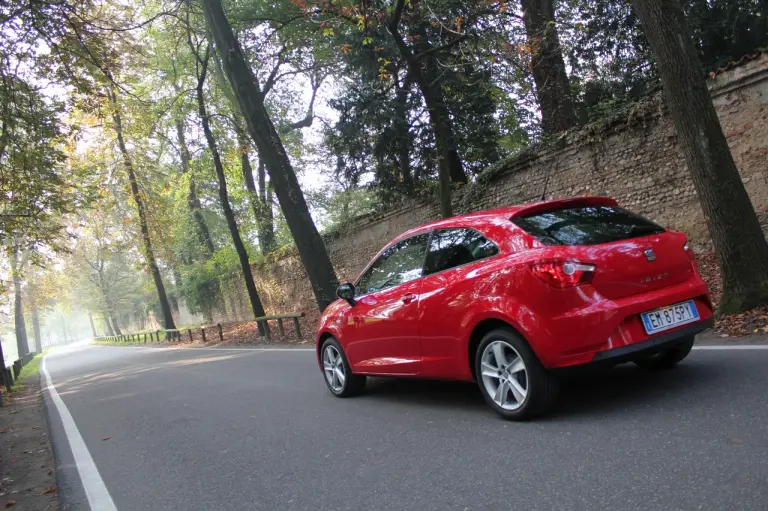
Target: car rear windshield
[586,225]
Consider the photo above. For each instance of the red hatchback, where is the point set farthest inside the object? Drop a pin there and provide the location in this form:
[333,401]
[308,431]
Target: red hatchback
[509,297]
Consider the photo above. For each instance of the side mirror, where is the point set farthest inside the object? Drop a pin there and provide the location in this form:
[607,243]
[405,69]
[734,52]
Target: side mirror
[346,292]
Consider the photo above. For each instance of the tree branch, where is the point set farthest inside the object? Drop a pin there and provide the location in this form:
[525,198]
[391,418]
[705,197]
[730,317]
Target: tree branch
[440,48]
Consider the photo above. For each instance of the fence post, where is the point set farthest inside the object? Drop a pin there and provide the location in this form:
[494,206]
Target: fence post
[16,369]
[280,328]
[267,333]
[145,337]
[202,331]
[158,336]
[190,334]
[7,379]
[297,327]
[221,334]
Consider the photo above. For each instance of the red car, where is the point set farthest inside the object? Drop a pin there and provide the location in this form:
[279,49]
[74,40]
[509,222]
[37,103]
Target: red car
[510,297]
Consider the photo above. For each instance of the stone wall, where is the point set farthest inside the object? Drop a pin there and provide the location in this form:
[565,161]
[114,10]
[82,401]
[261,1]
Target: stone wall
[633,157]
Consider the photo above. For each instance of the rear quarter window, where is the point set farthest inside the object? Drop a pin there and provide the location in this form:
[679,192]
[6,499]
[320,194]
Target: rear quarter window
[586,225]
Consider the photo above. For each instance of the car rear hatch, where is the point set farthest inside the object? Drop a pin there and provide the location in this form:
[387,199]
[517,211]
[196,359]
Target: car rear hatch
[632,255]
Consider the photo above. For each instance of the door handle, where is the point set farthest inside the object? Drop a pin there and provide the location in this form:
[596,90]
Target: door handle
[408,298]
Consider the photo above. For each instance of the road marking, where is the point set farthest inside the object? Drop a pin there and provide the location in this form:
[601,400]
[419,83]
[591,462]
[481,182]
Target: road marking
[734,347]
[98,496]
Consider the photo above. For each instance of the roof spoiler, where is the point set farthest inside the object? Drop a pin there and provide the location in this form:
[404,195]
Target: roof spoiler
[542,207]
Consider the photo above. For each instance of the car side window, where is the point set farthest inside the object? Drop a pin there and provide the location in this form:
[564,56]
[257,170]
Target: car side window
[400,263]
[454,247]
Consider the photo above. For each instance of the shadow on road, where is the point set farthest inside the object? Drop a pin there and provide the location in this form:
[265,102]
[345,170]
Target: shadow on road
[597,393]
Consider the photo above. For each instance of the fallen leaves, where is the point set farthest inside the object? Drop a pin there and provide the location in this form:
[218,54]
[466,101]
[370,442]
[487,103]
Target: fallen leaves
[106,438]
[10,503]
[52,489]
[734,325]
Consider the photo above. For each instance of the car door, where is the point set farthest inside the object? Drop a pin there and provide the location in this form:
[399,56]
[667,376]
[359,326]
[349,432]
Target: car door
[381,333]
[449,288]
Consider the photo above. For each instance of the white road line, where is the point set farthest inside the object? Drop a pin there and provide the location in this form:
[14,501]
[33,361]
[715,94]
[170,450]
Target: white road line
[733,347]
[98,496]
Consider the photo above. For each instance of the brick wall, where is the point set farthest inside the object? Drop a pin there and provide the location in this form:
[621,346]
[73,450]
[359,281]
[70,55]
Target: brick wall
[633,158]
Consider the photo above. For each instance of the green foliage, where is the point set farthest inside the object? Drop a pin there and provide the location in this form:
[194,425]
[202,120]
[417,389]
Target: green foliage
[340,207]
[612,63]
[36,187]
[200,286]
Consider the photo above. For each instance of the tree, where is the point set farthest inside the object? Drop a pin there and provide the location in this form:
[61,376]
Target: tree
[741,248]
[201,66]
[548,67]
[612,64]
[260,198]
[149,253]
[193,200]
[18,257]
[250,98]
[35,187]
[421,67]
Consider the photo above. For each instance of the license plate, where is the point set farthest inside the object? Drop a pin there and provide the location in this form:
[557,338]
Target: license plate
[669,317]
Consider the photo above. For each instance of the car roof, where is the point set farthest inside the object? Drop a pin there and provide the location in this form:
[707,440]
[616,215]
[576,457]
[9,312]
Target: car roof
[506,213]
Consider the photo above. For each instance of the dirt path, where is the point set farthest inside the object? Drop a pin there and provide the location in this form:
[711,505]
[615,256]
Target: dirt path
[27,475]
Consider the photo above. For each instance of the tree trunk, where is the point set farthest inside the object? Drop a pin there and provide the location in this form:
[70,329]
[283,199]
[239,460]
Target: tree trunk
[262,210]
[93,326]
[64,329]
[110,330]
[449,164]
[234,231]
[553,91]
[741,248]
[36,330]
[174,296]
[450,168]
[111,313]
[310,245]
[193,202]
[402,132]
[149,253]
[20,325]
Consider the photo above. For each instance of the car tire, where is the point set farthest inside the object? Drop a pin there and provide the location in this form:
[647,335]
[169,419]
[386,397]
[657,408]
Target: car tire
[530,389]
[668,358]
[337,372]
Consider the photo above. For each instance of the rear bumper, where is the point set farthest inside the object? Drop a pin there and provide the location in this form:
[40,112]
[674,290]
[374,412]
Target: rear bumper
[640,349]
[652,345]
[597,329]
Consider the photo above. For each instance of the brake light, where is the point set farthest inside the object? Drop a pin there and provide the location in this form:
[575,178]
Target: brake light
[564,273]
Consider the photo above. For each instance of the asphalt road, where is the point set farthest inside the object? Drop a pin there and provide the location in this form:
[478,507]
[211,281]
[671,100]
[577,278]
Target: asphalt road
[257,430]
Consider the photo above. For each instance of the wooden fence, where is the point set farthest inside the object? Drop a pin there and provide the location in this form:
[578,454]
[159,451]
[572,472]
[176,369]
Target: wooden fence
[179,335]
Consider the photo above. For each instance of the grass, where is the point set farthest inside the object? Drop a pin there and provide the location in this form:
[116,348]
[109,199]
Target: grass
[123,343]
[28,370]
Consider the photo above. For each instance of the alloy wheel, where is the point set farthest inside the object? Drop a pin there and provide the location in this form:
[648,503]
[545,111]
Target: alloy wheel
[504,375]
[333,368]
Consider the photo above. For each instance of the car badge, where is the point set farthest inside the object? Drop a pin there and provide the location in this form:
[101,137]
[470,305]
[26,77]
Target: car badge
[650,254]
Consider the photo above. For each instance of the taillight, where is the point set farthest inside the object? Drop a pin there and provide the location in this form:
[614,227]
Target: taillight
[564,273]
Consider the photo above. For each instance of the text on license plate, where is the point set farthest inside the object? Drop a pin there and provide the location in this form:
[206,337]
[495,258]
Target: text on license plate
[669,317]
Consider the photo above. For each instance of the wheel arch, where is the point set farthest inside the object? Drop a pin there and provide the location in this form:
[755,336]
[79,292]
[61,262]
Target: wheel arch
[321,337]
[478,332]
